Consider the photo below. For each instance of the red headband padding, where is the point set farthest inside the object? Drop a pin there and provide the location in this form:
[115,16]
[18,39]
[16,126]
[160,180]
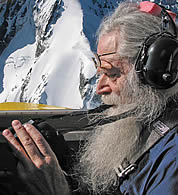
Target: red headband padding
[154,9]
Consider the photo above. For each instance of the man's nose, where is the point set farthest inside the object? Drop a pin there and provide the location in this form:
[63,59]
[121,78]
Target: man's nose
[103,87]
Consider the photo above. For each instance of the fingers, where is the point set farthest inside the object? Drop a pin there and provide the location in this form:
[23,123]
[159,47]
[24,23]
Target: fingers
[26,141]
[16,147]
[39,140]
[35,147]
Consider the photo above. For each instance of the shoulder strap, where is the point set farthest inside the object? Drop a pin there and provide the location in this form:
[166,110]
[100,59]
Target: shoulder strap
[158,129]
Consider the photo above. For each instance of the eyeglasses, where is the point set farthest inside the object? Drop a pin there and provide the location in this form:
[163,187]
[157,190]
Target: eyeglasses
[113,73]
[96,58]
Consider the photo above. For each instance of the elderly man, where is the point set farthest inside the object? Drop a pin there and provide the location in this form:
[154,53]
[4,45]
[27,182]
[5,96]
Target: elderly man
[136,154]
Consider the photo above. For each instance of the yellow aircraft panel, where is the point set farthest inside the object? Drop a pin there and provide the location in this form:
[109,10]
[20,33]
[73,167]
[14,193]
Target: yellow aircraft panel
[26,106]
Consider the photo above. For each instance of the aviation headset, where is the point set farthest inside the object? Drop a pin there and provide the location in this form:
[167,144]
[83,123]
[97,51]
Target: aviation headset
[157,60]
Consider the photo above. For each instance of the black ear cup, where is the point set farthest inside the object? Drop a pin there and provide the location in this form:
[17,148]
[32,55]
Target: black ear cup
[157,62]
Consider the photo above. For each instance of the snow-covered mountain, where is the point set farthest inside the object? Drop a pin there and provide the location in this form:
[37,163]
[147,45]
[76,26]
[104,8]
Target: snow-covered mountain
[46,50]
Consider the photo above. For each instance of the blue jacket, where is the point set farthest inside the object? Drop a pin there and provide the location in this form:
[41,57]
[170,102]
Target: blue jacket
[157,172]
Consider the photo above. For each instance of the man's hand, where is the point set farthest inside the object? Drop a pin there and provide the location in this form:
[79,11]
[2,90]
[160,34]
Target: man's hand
[38,165]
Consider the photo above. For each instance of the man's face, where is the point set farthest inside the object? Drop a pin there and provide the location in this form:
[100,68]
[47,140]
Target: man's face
[113,69]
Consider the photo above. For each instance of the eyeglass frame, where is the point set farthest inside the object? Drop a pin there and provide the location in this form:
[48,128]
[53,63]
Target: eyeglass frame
[97,63]
[97,58]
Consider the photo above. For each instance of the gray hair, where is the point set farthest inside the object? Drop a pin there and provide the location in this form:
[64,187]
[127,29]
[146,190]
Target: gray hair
[133,27]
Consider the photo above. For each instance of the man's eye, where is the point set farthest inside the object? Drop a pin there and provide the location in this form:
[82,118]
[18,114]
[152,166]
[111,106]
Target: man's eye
[112,76]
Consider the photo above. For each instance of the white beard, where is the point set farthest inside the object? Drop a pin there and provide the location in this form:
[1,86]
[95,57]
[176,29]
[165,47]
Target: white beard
[106,149]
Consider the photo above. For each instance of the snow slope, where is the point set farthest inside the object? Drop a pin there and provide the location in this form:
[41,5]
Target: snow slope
[53,77]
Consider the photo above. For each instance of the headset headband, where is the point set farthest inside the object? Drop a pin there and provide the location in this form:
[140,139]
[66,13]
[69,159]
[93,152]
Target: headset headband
[159,10]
